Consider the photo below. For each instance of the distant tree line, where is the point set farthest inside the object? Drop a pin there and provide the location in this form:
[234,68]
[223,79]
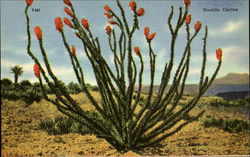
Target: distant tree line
[30,92]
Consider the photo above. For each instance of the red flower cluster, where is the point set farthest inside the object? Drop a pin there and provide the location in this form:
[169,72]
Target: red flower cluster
[188,19]
[132,5]
[187,2]
[73,51]
[85,23]
[146,33]
[67,11]
[219,54]
[108,30]
[38,32]
[59,24]
[107,8]
[36,70]
[67,2]
[140,12]
[197,26]
[29,2]
[112,22]
[108,15]
[67,22]
[137,50]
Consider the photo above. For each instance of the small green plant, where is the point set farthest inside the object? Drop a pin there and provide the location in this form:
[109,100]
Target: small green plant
[227,125]
[31,95]
[62,125]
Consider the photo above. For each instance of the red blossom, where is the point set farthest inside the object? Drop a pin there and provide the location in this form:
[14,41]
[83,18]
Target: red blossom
[151,37]
[36,70]
[85,23]
[140,12]
[112,22]
[108,30]
[67,11]
[59,24]
[197,26]
[137,50]
[188,19]
[187,2]
[38,32]
[107,8]
[109,16]
[67,2]
[67,22]
[132,5]
[146,32]
[29,2]
[73,51]
[219,54]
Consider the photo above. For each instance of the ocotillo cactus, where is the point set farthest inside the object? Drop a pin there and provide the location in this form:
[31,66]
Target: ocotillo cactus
[120,125]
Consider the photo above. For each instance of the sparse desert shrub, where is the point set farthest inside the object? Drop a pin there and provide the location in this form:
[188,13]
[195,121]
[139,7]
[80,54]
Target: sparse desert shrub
[115,118]
[26,83]
[31,95]
[227,125]
[10,94]
[231,103]
[74,88]
[48,125]
[62,125]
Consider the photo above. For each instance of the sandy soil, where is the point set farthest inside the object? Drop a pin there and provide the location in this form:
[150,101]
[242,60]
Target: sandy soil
[22,137]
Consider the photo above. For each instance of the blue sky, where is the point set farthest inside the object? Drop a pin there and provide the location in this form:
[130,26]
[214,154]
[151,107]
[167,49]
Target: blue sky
[227,30]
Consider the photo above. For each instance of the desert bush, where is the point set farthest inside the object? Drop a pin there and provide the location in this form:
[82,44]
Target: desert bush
[74,88]
[115,118]
[227,124]
[6,82]
[29,95]
[36,85]
[62,125]
[26,83]
[32,95]
[10,94]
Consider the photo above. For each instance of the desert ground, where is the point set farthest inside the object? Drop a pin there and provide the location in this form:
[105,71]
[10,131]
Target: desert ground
[21,135]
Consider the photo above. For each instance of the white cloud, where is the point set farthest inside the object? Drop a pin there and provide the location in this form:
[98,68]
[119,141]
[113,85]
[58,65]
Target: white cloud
[6,63]
[230,27]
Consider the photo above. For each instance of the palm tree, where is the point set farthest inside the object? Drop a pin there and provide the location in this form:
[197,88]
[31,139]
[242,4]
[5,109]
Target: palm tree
[17,71]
